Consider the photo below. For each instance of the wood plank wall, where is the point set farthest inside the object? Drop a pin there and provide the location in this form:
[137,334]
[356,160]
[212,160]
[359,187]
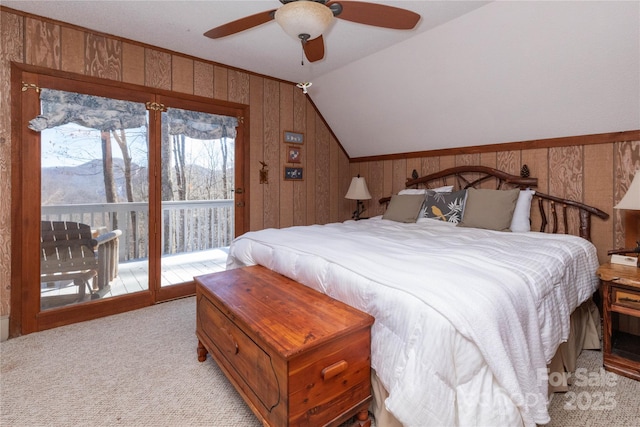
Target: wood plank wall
[274,106]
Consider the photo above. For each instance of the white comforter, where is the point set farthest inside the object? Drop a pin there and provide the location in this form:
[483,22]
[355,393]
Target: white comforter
[466,319]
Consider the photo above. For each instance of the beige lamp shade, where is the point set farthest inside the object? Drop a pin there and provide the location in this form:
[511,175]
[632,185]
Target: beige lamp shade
[631,199]
[358,189]
[304,17]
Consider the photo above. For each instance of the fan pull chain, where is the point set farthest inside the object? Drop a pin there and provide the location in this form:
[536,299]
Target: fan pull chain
[302,53]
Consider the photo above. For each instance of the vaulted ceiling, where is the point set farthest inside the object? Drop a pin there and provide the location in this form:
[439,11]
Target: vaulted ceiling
[471,73]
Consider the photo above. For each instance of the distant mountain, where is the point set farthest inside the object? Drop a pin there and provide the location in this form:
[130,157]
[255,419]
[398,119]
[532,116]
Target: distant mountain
[83,183]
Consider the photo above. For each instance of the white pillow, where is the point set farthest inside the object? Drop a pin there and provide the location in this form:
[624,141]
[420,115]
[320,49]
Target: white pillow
[444,189]
[412,191]
[521,221]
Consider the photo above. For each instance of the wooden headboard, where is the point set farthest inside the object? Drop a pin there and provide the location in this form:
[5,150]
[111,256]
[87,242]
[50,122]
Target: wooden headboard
[472,176]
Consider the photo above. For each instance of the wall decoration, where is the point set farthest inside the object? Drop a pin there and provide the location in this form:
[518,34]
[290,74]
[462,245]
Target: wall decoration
[294,154]
[293,137]
[264,173]
[293,174]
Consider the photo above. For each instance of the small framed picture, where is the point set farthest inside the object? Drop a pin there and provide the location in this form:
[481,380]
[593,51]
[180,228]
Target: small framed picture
[293,174]
[293,137]
[294,154]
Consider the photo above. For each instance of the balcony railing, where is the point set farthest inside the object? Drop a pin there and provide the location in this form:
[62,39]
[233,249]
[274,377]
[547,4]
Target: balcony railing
[187,226]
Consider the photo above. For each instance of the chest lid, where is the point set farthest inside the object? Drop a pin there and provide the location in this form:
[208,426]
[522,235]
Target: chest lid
[283,313]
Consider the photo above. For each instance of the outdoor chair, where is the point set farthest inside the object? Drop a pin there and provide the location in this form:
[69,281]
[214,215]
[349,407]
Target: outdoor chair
[108,247]
[67,254]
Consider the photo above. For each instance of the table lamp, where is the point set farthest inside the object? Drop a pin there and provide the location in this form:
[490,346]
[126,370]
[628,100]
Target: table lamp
[358,191]
[631,201]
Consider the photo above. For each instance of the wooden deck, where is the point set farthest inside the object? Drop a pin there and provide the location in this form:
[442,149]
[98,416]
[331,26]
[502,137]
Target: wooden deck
[134,276]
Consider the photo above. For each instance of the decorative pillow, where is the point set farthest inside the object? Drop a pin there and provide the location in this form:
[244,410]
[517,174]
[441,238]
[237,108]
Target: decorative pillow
[404,207]
[444,206]
[521,221]
[489,209]
[445,189]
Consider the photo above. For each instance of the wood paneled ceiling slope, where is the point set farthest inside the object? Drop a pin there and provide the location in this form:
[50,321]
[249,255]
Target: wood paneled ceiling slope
[471,72]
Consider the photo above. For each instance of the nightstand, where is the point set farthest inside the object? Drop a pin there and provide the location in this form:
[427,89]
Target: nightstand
[620,286]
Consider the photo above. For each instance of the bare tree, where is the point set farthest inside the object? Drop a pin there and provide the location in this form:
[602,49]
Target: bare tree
[107,168]
[179,164]
[166,157]
[121,138]
[224,151]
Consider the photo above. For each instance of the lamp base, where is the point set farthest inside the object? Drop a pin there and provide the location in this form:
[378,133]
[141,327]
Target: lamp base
[359,209]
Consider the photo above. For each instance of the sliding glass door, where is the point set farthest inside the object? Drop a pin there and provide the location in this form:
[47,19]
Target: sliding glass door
[197,172]
[94,197]
[119,195]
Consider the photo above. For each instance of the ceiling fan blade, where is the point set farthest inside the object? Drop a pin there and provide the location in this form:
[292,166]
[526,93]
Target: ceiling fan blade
[241,24]
[378,15]
[314,49]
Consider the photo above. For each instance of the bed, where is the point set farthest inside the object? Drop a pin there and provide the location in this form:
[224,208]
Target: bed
[475,324]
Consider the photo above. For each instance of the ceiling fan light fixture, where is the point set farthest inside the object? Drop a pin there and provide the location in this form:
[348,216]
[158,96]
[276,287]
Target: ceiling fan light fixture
[304,19]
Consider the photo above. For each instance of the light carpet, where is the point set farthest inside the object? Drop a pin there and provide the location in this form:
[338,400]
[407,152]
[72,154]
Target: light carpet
[140,369]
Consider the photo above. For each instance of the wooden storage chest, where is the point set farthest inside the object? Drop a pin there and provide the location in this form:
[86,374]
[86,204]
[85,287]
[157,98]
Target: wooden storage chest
[297,356]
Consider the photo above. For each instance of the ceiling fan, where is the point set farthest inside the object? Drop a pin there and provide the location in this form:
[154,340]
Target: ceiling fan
[306,20]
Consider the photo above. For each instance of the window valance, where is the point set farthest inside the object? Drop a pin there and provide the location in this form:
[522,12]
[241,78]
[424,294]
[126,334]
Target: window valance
[96,112]
[198,125]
